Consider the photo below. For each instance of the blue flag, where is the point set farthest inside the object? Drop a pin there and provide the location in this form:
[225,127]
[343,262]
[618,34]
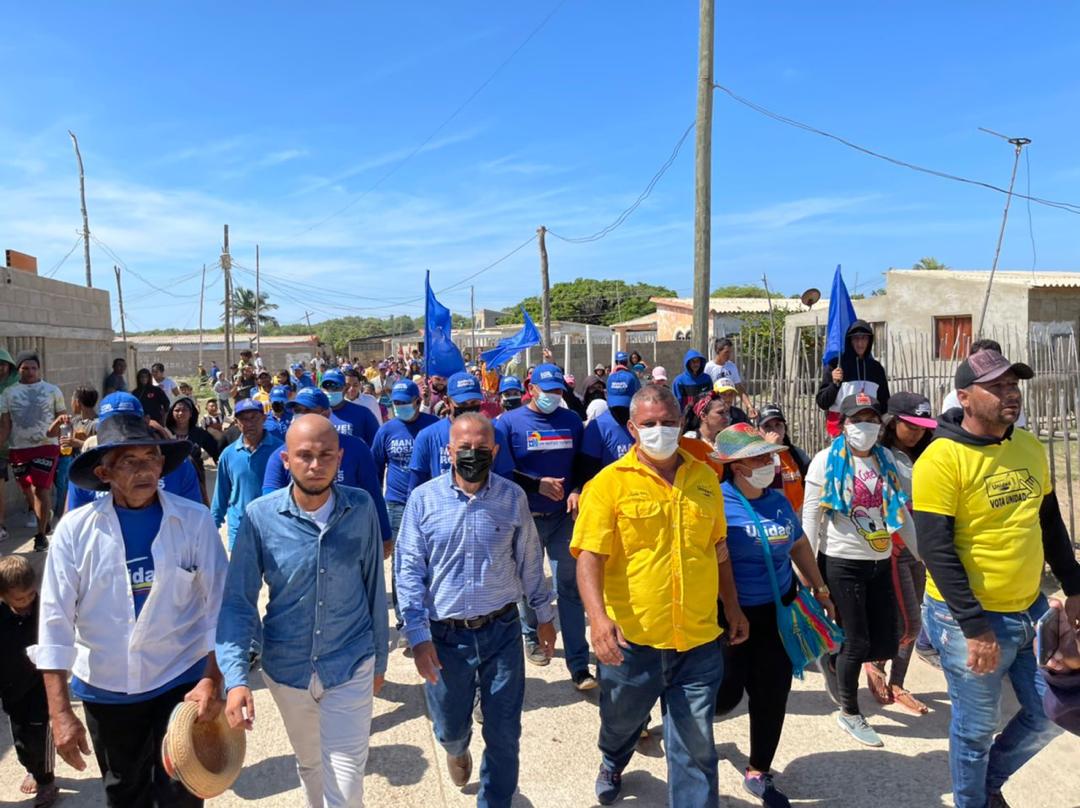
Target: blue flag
[509,346]
[841,316]
[441,355]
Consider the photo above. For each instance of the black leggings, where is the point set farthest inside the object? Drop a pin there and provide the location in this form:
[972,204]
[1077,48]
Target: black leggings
[760,667]
[866,610]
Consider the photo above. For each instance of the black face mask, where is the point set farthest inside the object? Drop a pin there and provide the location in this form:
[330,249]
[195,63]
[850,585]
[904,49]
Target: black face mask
[277,407]
[473,464]
[511,402]
[461,409]
[438,388]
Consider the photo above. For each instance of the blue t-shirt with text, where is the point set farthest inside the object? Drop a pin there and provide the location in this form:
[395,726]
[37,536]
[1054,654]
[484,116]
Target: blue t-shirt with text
[606,439]
[783,529]
[393,451]
[543,446]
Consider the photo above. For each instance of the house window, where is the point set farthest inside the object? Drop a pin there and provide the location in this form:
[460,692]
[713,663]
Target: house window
[952,336]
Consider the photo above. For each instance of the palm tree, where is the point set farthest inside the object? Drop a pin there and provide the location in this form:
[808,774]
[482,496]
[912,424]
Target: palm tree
[929,263]
[244,309]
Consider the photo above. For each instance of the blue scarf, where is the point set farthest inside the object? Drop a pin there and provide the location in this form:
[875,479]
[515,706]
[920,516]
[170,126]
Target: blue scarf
[840,481]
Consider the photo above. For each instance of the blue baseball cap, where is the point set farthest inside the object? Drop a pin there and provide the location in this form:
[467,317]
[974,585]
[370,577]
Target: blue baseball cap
[621,357]
[404,392]
[248,405]
[510,383]
[117,403]
[295,366]
[334,377]
[621,386]
[463,387]
[548,378]
[310,398]
[279,392]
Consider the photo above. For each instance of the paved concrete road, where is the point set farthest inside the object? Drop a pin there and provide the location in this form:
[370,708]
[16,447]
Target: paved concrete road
[817,765]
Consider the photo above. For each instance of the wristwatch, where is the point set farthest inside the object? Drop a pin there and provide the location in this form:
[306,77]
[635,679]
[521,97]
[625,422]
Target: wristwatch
[820,590]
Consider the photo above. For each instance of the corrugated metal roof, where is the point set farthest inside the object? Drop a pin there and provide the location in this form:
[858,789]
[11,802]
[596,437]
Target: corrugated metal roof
[193,339]
[645,319]
[734,305]
[1032,280]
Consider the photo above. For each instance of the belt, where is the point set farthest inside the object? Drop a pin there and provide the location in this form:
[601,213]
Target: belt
[473,623]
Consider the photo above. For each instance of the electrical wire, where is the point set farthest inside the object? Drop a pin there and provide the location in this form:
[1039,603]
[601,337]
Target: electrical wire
[120,261]
[1068,207]
[394,169]
[622,217]
[60,263]
[1031,225]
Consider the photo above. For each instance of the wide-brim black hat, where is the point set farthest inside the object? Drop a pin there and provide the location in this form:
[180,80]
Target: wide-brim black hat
[119,431]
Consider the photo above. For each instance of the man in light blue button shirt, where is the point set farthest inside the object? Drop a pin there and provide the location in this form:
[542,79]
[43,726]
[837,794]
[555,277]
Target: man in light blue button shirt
[467,551]
[318,546]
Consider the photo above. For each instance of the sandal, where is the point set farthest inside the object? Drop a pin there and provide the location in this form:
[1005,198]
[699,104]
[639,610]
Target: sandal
[908,701]
[28,785]
[875,680]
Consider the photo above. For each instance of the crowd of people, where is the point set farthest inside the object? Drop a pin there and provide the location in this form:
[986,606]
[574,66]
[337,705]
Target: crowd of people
[680,522]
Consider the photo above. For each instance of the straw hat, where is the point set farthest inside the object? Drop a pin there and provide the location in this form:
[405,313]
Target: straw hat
[741,441]
[205,756]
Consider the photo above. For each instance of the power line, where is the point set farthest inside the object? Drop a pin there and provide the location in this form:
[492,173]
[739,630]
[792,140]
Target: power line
[622,217]
[1068,207]
[394,169]
[1031,225]
[60,263]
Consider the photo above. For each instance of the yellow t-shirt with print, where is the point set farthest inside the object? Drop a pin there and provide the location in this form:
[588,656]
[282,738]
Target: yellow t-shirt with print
[661,580]
[994,493]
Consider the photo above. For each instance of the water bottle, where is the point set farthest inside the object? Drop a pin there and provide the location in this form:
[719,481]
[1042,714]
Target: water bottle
[65,439]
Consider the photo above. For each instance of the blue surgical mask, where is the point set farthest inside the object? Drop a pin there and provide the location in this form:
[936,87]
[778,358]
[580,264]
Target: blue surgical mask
[405,412]
[336,397]
[548,403]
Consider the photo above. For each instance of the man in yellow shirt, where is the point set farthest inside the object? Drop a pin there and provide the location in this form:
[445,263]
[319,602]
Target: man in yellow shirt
[651,564]
[987,518]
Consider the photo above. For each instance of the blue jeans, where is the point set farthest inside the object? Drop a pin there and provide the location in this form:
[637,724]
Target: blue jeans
[395,510]
[489,658]
[979,762]
[686,683]
[556,530]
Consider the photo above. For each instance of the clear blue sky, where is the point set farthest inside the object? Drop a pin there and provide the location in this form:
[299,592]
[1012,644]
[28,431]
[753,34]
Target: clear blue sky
[272,118]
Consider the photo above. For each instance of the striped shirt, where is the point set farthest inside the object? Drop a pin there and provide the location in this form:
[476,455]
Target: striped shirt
[463,556]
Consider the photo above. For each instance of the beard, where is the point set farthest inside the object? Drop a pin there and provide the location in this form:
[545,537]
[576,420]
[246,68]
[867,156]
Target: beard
[312,492]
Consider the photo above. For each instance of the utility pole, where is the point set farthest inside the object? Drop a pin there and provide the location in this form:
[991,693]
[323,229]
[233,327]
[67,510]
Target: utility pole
[703,178]
[120,299]
[258,324]
[1018,144]
[545,287]
[202,294]
[226,267]
[472,312]
[82,200]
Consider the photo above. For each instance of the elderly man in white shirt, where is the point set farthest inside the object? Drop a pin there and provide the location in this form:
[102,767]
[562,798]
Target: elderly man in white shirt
[138,645]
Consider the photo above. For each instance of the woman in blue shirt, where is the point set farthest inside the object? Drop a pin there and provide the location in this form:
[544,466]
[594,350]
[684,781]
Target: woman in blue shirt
[760,667]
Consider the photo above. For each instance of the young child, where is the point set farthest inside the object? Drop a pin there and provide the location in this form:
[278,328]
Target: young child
[22,689]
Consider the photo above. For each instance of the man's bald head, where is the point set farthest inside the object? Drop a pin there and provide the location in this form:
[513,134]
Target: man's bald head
[472,424]
[312,453]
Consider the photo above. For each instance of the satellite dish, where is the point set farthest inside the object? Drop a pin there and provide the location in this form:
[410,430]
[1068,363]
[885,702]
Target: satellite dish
[810,297]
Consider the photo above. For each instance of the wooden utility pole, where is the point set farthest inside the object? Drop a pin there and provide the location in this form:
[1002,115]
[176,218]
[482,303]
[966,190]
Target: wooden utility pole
[202,294]
[545,287]
[82,200]
[472,313]
[703,178]
[120,299]
[226,267]
[258,324]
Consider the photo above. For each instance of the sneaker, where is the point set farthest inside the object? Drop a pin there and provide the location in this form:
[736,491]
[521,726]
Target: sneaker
[460,768]
[583,680]
[535,655]
[608,786]
[827,666]
[31,520]
[857,728]
[40,543]
[477,712]
[761,786]
[997,800]
[929,655]
[3,533]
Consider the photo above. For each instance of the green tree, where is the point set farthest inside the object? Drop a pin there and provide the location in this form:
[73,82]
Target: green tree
[929,262]
[735,290]
[244,309]
[597,302]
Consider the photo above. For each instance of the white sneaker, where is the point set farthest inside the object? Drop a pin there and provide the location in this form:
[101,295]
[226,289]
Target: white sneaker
[31,521]
[857,728]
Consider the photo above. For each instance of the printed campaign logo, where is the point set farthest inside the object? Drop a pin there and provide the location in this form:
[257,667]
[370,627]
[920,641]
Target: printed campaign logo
[778,532]
[549,440]
[1011,488]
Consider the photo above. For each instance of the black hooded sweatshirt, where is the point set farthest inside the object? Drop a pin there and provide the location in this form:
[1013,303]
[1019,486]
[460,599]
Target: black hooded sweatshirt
[938,550]
[856,369]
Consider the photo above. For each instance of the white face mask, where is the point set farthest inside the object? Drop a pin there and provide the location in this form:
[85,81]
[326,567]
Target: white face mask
[861,437]
[658,442]
[762,476]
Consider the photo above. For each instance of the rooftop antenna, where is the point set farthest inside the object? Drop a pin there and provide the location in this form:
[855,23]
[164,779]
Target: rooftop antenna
[1018,144]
